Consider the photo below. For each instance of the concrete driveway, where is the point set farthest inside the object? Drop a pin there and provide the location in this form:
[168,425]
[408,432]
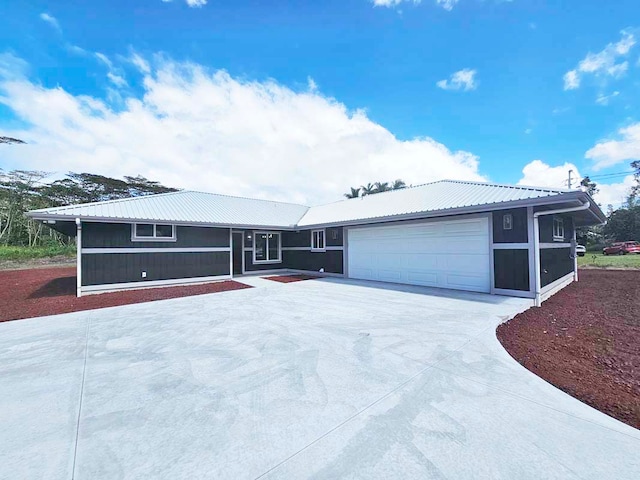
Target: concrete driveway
[325,379]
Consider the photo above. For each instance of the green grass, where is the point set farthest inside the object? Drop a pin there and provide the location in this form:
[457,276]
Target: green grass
[599,260]
[27,253]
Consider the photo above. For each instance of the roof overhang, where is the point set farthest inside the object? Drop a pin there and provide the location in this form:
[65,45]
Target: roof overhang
[591,216]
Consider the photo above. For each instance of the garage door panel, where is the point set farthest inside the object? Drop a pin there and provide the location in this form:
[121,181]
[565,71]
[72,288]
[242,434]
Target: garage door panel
[447,254]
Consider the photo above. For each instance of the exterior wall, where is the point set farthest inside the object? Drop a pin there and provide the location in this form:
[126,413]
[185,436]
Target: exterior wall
[519,230]
[511,269]
[511,251]
[297,254]
[555,263]
[118,235]
[107,267]
[545,223]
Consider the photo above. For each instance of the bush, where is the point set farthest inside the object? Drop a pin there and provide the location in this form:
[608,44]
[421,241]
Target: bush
[26,253]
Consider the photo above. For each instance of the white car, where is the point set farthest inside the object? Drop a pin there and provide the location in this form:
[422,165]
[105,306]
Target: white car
[581,250]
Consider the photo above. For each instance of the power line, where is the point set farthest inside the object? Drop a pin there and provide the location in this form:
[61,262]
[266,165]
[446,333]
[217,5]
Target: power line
[611,174]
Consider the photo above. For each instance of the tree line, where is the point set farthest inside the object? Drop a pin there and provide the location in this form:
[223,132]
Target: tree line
[376,187]
[24,190]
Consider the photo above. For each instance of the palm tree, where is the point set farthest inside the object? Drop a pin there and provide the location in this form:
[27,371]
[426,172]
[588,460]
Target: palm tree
[10,140]
[354,193]
[381,187]
[398,184]
[368,189]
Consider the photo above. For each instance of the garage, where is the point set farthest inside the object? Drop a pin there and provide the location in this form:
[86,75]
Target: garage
[440,253]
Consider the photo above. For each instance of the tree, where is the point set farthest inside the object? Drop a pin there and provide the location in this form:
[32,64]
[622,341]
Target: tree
[623,224]
[368,189]
[10,140]
[381,187]
[398,184]
[590,187]
[635,190]
[354,193]
[21,191]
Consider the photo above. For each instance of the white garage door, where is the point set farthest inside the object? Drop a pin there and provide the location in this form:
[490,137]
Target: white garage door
[445,253]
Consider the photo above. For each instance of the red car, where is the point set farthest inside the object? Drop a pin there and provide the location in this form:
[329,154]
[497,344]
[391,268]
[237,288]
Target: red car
[622,248]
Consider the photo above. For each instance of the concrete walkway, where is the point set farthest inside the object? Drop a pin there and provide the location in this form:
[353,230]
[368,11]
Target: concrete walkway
[324,379]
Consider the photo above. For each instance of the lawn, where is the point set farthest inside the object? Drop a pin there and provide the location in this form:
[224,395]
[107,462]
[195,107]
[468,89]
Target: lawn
[611,261]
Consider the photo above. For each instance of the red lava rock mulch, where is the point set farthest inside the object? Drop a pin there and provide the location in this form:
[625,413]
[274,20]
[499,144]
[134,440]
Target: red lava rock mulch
[290,278]
[585,340]
[39,292]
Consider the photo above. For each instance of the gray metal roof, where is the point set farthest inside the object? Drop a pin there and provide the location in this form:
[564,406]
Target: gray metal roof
[438,196]
[185,207]
[443,197]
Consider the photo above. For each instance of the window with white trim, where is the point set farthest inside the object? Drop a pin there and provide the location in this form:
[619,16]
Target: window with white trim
[317,240]
[153,232]
[267,247]
[558,230]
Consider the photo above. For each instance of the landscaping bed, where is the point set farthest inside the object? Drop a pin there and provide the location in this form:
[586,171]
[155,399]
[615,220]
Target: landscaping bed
[50,291]
[585,340]
[290,278]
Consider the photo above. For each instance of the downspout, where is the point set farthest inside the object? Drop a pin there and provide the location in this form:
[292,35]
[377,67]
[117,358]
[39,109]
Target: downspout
[78,258]
[536,243]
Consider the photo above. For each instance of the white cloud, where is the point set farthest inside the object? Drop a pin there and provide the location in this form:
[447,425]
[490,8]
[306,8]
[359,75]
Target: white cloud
[614,193]
[140,63]
[113,74]
[191,3]
[611,152]
[539,174]
[392,3]
[447,4]
[460,80]
[193,128]
[602,64]
[603,99]
[51,20]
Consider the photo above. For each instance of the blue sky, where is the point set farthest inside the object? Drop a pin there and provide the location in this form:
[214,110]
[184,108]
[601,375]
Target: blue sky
[299,100]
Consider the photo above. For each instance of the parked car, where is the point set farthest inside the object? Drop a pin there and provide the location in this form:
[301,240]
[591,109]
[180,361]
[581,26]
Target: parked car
[581,250]
[622,248]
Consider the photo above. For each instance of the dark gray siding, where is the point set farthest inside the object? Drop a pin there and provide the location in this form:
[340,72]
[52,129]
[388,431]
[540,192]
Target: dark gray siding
[330,260]
[111,268]
[545,223]
[519,232]
[511,269]
[249,266]
[555,263]
[116,235]
[302,238]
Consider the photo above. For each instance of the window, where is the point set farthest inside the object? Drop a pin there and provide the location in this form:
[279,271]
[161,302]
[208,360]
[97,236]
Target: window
[153,232]
[266,247]
[317,240]
[507,221]
[558,230]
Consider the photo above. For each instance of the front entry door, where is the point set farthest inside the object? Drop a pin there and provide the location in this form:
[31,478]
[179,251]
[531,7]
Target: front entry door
[238,239]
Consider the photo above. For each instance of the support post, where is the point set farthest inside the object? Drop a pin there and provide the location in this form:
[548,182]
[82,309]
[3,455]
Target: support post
[231,253]
[78,258]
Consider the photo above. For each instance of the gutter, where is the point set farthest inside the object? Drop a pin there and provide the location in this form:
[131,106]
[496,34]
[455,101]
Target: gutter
[536,243]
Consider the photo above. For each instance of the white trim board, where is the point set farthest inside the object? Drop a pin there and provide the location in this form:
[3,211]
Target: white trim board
[155,250]
[114,287]
[309,249]
[556,286]
[547,245]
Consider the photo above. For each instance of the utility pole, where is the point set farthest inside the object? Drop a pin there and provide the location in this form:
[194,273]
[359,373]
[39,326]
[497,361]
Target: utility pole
[569,182]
